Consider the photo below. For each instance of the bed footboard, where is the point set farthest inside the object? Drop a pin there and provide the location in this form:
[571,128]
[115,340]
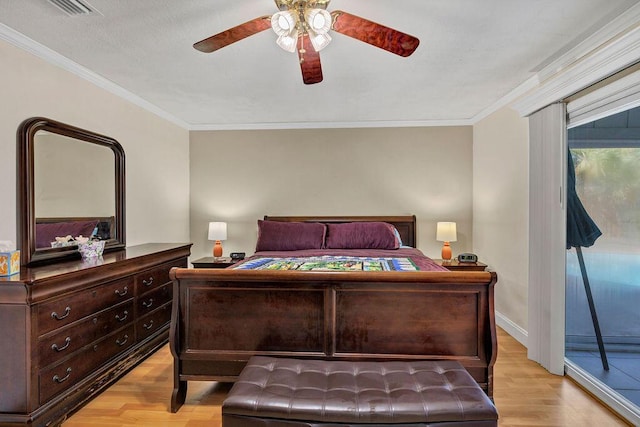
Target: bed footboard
[221,318]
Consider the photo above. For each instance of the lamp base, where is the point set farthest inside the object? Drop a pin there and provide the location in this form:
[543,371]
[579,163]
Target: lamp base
[217,249]
[446,251]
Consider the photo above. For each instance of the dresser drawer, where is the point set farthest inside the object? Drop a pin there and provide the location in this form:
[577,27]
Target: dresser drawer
[61,343]
[64,311]
[154,299]
[149,324]
[153,278]
[63,375]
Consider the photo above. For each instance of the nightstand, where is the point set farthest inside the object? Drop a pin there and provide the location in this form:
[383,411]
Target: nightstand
[454,265]
[211,262]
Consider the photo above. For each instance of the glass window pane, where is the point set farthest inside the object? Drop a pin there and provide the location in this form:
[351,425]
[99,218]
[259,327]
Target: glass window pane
[606,157]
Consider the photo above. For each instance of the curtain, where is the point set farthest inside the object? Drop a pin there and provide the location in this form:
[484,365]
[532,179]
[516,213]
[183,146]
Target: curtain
[547,237]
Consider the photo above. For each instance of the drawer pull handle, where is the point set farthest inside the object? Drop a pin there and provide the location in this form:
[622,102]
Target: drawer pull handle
[58,317]
[149,326]
[122,319]
[124,340]
[146,304]
[147,282]
[123,292]
[67,342]
[59,380]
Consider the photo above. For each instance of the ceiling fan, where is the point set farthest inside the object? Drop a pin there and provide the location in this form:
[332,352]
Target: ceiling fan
[304,25]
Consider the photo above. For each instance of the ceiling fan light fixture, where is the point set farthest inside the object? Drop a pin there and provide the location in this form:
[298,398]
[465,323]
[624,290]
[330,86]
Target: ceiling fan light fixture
[304,26]
[284,22]
[319,20]
[288,42]
[319,41]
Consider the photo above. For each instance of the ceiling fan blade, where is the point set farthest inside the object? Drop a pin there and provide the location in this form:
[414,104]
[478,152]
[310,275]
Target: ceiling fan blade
[309,61]
[374,34]
[232,35]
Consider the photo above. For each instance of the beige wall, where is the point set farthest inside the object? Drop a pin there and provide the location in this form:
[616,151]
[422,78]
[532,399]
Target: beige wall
[239,176]
[157,151]
[500,207]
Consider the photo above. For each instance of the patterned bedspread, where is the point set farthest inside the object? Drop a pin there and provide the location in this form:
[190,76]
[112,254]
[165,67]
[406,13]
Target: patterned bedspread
[403,259]
[330,263]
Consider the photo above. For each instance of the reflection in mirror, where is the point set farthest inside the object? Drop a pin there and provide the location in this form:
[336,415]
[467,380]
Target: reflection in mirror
[72,178]
[72,184]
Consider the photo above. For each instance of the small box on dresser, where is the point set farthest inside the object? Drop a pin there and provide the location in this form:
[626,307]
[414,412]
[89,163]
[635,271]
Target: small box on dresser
[9,263]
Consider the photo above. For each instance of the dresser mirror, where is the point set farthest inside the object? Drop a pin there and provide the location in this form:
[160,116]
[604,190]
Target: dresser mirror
[71,182]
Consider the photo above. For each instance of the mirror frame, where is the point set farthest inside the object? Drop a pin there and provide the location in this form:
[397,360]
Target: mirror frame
[26,215]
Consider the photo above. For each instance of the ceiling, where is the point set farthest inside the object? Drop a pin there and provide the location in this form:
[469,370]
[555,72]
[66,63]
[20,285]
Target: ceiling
[472,54]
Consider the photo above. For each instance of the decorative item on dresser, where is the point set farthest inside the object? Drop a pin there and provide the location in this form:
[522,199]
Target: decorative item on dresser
[72,329]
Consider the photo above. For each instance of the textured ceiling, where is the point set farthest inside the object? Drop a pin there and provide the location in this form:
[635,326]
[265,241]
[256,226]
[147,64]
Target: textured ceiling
[472,53]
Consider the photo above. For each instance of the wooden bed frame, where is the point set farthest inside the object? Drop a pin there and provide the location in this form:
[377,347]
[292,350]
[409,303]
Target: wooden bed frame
[221,317]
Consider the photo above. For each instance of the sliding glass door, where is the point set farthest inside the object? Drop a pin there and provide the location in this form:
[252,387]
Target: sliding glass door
[603,275]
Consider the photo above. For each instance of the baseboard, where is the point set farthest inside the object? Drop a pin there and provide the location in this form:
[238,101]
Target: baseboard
[513,329]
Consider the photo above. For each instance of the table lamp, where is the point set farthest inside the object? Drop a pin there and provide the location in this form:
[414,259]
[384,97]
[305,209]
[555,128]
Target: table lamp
[446,232]
[217,232]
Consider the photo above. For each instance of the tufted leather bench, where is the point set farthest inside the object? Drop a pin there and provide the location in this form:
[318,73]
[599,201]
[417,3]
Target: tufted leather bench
[274,392]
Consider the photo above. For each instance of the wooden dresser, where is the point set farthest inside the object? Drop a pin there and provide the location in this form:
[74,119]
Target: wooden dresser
[71,329]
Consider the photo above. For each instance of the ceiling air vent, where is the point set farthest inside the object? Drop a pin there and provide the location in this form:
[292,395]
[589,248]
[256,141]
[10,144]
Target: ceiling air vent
[73,7]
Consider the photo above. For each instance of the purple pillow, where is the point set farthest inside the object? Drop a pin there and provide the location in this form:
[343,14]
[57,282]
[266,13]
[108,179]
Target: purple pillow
[289,236]
[361,235]
[47,232]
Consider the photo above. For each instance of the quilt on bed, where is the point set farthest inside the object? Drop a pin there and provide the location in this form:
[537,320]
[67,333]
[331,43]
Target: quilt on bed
[403,259]
[330,263]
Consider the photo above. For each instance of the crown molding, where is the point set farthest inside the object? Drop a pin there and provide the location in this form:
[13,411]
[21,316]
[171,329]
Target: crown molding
[23,42]
[506,100]
[609,50]
[331,125]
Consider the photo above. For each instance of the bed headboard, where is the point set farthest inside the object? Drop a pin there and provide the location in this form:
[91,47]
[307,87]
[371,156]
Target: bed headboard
[405,224]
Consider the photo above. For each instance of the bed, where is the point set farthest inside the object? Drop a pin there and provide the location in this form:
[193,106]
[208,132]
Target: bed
[222,317]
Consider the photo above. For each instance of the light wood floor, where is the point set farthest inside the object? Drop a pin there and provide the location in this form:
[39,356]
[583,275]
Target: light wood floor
[525,395]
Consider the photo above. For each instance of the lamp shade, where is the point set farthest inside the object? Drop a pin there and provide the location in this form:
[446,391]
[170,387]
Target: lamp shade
[217,231]
[283,22]
[318,20]
[288,42]
[319,41]
[446,232]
